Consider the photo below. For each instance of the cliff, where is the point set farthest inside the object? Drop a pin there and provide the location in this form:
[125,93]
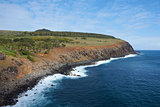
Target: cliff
[20,74]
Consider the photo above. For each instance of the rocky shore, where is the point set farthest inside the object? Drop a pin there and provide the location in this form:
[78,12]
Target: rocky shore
[21,75]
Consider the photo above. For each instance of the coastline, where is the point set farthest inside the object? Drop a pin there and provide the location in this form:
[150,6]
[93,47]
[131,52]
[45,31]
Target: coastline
[51,81]
[88,55]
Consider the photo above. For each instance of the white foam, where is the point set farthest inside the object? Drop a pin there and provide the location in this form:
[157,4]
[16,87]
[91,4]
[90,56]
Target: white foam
[36,95]
[130,55]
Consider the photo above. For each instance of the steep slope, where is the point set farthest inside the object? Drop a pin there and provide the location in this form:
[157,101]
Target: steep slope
[21,74]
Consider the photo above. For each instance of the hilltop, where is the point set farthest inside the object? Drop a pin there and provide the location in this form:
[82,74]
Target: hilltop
[43,30]
[26,44]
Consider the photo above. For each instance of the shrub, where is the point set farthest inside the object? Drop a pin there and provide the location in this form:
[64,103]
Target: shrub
[30,58]
[47,51]
[83,38]
[63,45]
[24,52]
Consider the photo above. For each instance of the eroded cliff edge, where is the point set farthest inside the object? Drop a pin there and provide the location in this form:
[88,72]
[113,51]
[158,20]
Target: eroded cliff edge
[20,74]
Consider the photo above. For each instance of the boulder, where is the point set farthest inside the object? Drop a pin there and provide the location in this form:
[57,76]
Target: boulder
[2,56]
[52,85]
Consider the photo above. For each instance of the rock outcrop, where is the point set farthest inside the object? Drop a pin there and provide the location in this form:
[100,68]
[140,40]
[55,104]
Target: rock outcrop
[2,56]
[22,74]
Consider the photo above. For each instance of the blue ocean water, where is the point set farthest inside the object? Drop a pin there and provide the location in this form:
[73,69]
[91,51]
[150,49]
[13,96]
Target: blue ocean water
[127,82]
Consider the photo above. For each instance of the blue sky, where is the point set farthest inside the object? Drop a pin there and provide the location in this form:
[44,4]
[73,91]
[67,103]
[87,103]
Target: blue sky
[137,21]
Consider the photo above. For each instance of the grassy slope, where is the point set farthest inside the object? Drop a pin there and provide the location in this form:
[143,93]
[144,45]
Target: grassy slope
[89,41]
[92,40]
[76,39]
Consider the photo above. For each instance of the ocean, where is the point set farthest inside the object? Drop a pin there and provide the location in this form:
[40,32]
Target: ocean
[131,81]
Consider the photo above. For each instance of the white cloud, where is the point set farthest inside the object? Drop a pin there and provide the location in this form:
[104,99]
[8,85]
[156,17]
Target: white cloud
[13,16]
[118,18]
[145,43]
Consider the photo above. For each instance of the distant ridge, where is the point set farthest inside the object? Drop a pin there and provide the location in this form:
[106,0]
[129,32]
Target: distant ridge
[43,30]
[46,32]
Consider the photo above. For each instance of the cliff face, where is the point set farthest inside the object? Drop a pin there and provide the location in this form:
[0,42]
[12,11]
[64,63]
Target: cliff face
[22,74]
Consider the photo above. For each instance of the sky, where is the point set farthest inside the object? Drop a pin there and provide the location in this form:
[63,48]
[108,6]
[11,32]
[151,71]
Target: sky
[136,21]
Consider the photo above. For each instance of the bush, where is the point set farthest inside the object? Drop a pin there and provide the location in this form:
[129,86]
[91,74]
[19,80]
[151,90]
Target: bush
[83,38]
[46,52]
[24,52]
[30,58]
[63,45]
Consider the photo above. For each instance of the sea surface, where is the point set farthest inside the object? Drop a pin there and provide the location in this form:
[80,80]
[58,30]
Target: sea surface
[131,81]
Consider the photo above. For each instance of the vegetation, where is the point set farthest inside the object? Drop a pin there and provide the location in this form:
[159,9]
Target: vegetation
[8,51]
[46,32]
[26,44]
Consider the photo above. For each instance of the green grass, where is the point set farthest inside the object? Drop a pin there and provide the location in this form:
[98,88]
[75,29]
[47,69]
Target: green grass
[24,52]
[27,54]
[30,58]
[25,44]
[8,51]
[46,32]
[78,41]
[38,44]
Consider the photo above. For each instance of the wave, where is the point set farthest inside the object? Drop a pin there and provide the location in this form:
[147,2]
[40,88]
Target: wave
[36,96]
[80,71]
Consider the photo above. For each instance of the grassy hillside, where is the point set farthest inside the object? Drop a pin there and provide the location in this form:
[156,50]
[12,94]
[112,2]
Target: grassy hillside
[46,32]
[26,44]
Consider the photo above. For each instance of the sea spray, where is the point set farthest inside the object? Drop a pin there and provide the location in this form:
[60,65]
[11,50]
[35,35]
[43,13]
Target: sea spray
[36,96]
